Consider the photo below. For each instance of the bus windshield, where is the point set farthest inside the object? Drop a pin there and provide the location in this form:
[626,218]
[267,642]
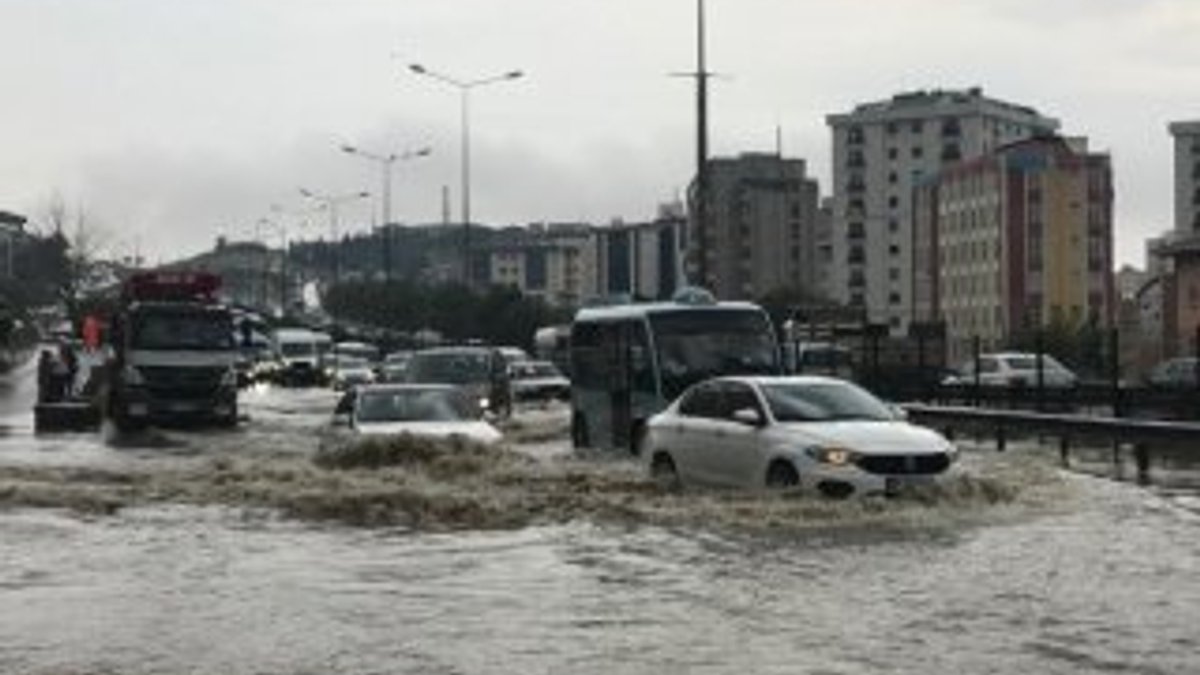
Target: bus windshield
[694,346]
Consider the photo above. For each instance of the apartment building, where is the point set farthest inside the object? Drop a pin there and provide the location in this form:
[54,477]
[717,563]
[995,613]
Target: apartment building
[881,152]
[553,262]
[1019,238]
[1187,177]
[642,260]
[762,226]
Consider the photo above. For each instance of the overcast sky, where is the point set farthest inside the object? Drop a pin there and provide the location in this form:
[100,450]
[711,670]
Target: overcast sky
[172,121]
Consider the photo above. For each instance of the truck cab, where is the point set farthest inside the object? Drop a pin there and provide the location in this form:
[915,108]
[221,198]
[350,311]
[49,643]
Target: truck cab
[174,353]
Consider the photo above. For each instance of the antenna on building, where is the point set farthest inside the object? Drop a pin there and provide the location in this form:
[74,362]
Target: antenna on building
[445,204]
[779,140]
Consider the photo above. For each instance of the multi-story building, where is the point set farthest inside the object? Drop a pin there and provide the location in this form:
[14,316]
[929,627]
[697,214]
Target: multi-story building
[1017,239]
[1187,177]
[881,151]
[642,260]
[762,226]
[548,261]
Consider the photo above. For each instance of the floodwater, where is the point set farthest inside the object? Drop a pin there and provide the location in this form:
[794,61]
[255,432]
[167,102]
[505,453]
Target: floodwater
[235,553]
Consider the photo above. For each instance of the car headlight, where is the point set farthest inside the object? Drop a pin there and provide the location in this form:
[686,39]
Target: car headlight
[132,376]
[834,456]
[484,402]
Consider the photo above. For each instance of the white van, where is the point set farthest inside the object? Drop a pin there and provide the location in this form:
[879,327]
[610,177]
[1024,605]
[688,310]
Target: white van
[298,353]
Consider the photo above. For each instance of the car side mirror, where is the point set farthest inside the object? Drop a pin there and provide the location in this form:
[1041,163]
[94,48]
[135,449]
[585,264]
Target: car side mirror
[899,413]
[750,417]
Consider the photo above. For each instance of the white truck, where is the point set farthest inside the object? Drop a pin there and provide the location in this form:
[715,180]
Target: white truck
[174,353]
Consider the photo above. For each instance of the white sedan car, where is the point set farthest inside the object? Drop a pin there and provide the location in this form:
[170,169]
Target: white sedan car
[816,433]
[431,410]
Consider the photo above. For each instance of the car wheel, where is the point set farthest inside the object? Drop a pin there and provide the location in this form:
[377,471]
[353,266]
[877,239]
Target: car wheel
[663,472]
[782,475]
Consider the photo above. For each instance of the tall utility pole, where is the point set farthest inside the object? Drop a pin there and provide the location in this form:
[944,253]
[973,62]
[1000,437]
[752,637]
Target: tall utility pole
[700,195]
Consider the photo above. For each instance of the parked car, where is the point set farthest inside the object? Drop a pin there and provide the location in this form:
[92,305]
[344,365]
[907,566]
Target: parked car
[1014,369]
[810,432]
[432,410]
[1177,373]
[512,355]
[538,381]
[818,358]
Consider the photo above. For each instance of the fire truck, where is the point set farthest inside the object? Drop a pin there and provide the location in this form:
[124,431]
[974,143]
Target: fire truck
[174,353]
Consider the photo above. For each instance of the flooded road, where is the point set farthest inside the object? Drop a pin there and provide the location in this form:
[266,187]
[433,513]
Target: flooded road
[234,553]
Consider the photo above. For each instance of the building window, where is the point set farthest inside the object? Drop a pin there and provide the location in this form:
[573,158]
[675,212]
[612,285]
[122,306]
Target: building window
[893,202]
[951,152]
[857,279]
[855,135]
[856,255]
[891,128]
[893,177]
[894,250]
[918,152]
[894,274]
[917,126]
[893,226]
[795,210]
[795,254]
[951,128]
[855,230]
[893,298]
[855,186]
[856,160]
[856,204]
[857,300]
[893,153]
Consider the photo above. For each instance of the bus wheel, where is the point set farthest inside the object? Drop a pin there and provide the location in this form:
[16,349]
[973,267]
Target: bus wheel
[579,431]
[637,439]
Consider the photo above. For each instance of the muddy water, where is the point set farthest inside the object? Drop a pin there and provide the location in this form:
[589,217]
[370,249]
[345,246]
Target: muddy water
[235,553]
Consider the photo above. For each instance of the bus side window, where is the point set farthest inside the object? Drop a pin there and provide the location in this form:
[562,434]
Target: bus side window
[587,356]
[641,361]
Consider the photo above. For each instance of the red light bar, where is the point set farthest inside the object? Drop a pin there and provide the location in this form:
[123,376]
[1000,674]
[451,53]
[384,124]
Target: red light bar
[173,286]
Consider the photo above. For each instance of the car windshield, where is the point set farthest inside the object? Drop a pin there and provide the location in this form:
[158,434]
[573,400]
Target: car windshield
[535,370]
[349,362]
[416,405]
[697,345]
[198,331]
[821,402]
[450,368]
[297,349]
[1030,363]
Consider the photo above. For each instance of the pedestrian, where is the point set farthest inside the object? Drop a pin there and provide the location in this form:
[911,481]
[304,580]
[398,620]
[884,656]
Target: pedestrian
[45,375]
[71,360]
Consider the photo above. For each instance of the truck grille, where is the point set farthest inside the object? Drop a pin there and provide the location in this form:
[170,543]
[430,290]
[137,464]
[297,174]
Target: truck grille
[904,465]
[196,382]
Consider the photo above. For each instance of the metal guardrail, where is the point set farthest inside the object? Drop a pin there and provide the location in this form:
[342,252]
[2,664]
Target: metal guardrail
[1144,436]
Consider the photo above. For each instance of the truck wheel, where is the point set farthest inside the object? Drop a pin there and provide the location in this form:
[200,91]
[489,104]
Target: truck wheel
[579,432]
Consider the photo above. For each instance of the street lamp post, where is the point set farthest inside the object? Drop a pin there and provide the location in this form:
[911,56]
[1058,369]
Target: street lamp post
[386,162]
[464,87]
[332,202]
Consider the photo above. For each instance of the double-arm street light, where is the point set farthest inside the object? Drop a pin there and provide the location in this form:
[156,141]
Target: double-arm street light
[386,161]
[464,87]
[331,203]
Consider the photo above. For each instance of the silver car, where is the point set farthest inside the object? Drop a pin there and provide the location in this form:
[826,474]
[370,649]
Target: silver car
[818,434]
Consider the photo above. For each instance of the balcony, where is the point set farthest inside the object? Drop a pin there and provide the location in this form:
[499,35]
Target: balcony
[856,160]
[951,152]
